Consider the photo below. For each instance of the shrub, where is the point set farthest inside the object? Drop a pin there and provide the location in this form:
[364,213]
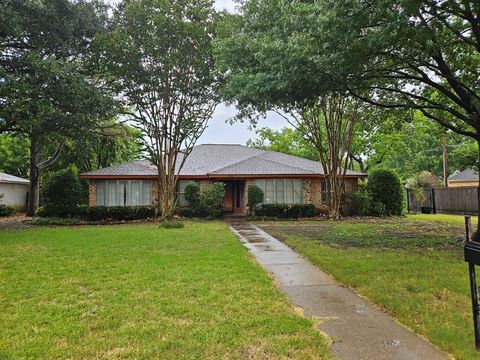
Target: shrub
[356,203]
[6,210]
[192,194]
[424,180]
[211,200]
[96,213]
[54,221]
[385,188]
[187,212]
[285,211]
[254,198]
[61,192]
[378,209]
[171,224]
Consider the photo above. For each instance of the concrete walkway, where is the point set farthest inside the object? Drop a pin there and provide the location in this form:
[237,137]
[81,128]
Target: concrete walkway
[358,330]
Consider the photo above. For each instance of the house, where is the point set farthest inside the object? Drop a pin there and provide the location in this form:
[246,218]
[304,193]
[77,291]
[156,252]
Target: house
[465,178]
[284,179]
[14,190]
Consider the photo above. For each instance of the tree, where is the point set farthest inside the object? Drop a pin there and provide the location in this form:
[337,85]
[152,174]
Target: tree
[108,143]
[14,155]
[160,57]
[47,92]
[257,54]
[286,140]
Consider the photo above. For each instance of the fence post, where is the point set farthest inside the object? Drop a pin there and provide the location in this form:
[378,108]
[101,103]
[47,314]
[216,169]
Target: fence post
[408,202]
[434,205]
[468,228]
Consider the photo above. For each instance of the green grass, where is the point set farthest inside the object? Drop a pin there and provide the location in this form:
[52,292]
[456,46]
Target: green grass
[412,267]
[143,292]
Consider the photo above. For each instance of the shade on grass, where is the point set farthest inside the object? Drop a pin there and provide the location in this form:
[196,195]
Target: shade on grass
[411,267]
[143,292]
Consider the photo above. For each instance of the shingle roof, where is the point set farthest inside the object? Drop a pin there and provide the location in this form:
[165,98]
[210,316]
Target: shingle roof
[220,159]
[465,175]
[7,178]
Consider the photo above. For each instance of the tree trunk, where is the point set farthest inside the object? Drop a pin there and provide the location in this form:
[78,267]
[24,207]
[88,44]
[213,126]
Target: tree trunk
[478,188]
[34,189]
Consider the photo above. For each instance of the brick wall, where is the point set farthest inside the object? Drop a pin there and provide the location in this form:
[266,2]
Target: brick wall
[92,193]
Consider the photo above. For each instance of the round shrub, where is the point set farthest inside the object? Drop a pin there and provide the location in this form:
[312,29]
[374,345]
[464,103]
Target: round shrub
[192,194]
[385,188]
[211,200]
[254,198]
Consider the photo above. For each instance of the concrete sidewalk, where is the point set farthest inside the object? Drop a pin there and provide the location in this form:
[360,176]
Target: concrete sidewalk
[358,330]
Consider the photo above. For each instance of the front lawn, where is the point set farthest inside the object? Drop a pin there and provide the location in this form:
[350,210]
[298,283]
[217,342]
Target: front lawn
[412,267]
[143,292]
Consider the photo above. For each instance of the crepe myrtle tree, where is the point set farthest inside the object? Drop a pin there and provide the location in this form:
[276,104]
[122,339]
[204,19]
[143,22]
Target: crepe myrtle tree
[258,52]
[159,56]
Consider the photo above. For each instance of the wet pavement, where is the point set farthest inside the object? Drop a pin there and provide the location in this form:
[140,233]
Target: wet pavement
[357,329]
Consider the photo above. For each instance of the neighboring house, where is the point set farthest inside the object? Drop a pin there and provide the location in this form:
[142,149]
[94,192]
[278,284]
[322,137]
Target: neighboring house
[14,190]
[284,179]
[465,178]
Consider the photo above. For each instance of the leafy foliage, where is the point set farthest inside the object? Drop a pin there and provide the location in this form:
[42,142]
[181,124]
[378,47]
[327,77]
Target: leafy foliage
[6,210]
[357,203]
[205,201]
[286,211]
[286,140]
[386,191]
[61,191]
[254,198]
[160,59]
[192,194]
[49,92]
[211,200]
[168,224]
[96,213]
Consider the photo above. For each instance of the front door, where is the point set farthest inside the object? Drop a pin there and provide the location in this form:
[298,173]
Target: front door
[228,202]
[233,201]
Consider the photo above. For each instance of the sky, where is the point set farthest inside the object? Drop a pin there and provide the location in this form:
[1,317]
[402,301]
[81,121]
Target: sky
[219,130]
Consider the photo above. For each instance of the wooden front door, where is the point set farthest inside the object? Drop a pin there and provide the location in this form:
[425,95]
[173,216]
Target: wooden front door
[228,202]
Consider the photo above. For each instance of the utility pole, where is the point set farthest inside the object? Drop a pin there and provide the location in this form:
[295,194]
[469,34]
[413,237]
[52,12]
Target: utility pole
[445,161]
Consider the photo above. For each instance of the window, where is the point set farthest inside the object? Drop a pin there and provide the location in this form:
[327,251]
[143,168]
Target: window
[182,184]
[281,191]
[124,193]
[324,192]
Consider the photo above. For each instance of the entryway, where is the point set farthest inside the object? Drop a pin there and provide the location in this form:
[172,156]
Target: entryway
[234,197]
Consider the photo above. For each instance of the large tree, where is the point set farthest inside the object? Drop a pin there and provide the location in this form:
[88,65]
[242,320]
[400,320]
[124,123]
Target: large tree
[47,93]
[159,55]
[258,53]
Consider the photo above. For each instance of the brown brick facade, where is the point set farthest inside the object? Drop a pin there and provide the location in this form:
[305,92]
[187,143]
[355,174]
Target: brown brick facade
[312,191]
[92,193]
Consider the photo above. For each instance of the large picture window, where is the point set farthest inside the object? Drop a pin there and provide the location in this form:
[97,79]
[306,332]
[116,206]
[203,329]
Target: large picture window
[281,191]
[124,192]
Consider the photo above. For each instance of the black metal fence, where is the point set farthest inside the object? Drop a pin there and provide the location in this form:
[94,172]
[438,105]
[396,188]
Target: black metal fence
[447,200]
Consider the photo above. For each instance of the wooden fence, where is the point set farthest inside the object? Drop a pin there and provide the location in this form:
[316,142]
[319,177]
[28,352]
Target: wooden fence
[447,200]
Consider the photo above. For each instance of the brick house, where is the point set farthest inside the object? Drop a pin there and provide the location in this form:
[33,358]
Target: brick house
[284,179]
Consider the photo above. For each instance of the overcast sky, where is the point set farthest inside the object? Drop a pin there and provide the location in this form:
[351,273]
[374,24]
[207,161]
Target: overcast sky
[218,130]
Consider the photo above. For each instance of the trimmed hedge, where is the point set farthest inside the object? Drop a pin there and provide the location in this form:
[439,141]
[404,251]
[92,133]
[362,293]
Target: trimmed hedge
[96,213]
[284,211]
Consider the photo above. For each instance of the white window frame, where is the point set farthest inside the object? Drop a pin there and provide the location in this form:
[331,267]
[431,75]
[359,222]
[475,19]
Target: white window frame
[261,183]
[122,193]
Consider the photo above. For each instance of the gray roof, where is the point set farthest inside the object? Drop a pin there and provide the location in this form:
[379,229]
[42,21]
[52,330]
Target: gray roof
[465,175]
[10,179]
[220,159]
